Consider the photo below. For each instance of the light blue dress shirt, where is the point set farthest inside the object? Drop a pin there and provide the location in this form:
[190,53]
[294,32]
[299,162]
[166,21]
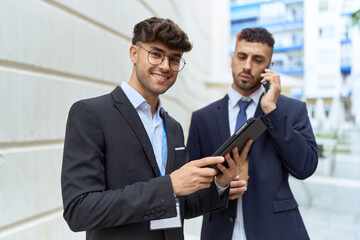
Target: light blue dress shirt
[154,126]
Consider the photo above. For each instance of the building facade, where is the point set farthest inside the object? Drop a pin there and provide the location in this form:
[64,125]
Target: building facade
[316,47]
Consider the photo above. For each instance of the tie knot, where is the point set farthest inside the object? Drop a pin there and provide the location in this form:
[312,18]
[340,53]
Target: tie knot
[243,104]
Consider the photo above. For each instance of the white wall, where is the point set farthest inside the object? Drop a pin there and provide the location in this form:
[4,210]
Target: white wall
[53,53]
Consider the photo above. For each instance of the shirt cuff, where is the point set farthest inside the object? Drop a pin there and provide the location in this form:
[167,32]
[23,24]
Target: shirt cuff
[220,189]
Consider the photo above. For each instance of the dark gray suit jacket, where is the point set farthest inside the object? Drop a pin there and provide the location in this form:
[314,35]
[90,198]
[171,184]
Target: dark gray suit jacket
[111,185]
[287,147]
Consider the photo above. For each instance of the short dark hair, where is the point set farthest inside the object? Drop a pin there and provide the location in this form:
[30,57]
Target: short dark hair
[162,30]
[256,34]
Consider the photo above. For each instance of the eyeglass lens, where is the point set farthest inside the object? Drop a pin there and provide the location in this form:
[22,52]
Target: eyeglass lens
[156,58]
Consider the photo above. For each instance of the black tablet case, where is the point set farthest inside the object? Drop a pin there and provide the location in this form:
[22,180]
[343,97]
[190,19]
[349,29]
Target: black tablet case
[251,129]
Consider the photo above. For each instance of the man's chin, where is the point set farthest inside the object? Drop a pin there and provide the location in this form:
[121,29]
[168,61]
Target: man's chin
[248,87]
[160,90]
[245,86]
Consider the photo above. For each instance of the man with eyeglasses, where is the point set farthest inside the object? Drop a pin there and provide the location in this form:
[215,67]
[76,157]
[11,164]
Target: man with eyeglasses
[125,173]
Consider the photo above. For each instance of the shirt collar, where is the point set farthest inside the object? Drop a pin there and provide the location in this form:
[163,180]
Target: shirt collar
[136,99]
[234,96]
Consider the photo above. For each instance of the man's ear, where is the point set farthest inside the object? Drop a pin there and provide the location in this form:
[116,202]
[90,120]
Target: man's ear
[133,52]
[232,59]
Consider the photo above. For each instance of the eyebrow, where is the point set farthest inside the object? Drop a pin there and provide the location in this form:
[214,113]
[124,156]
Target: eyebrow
[163,51]
[254,56]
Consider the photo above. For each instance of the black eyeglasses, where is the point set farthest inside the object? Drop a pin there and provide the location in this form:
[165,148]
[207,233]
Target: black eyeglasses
[156,57]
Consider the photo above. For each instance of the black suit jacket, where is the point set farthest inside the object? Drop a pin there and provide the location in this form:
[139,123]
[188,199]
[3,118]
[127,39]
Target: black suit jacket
[287,147]
[111,185]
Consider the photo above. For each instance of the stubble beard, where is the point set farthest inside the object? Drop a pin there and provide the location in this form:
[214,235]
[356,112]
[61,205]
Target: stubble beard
[148,84]
[246,86]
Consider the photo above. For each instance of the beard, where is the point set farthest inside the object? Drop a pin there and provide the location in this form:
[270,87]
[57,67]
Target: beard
[249,85]
[150,85]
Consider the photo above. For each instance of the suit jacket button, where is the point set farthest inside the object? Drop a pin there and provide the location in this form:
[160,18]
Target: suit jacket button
[231,219]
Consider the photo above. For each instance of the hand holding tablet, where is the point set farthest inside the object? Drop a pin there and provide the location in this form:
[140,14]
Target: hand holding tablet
[251,129]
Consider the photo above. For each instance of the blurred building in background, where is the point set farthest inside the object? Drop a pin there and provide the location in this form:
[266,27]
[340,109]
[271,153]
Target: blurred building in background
[285,20]
[315,52]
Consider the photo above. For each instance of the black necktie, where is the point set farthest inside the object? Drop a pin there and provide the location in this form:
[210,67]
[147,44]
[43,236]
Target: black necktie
[241,117]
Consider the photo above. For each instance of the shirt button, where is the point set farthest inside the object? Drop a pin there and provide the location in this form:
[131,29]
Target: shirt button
[231,219]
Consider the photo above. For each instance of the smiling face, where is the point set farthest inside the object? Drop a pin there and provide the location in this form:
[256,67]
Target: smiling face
[149,80]
[248,62]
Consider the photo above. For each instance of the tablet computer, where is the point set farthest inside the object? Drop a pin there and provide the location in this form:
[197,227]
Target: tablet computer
[251,129]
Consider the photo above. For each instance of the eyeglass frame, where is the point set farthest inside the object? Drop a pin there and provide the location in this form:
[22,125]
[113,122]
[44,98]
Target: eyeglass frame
[162,60]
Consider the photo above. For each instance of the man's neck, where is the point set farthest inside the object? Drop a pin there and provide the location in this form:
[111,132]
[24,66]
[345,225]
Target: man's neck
[153,104]
[151,99]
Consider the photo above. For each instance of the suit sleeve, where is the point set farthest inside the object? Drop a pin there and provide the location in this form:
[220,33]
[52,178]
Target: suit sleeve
[200,200]
[293,140]
[204,201]
[88,203]
[193,144]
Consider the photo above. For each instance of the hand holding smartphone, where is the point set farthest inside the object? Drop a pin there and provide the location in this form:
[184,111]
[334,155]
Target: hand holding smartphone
[267,83]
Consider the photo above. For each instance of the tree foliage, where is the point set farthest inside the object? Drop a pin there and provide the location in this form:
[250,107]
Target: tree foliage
[356,17]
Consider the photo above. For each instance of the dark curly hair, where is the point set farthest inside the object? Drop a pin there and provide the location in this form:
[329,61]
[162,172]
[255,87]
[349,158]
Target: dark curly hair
[257,34]
[162,30]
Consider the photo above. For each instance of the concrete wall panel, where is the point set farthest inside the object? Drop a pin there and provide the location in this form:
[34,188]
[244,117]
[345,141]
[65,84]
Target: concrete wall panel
[164,9]
[48,38]
[50,227]
[35,106]
[30,182]
[115,15]
[56,52]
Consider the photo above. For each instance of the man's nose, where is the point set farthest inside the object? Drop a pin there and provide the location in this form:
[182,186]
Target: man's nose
[165,64]
[247,66]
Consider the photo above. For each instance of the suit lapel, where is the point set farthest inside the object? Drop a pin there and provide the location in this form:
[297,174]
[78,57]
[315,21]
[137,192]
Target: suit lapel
[170,143]
[222,116]
[125,107]
[258,113]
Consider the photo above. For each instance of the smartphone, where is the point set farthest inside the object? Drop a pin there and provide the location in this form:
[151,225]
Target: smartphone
[267,84]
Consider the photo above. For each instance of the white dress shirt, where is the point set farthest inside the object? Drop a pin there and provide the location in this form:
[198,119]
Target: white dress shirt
[234,97]
[153,125]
